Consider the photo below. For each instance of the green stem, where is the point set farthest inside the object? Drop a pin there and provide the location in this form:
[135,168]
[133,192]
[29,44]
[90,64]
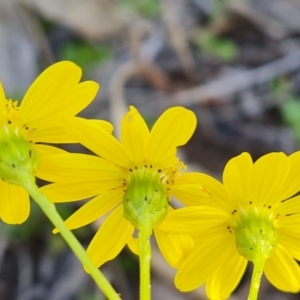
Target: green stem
[145,257]
[256,278]
[50,211]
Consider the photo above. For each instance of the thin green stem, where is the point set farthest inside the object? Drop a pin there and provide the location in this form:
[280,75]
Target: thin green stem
[256,278]
[145,257]
[50,211]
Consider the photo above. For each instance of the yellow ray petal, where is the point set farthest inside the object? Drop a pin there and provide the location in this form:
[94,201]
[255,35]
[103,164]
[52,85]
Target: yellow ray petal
[133,245]
[168,162]
[219,197]
[174,247]
[190,194]
[2,103]
[135,136]
[192,220]
[290,241]
[202,263]
[290,206]
[110,238]
[205,233]
[97,140]
[14,204]
[226,278]
[236,178]
[45,150]
[74,102]
[290,185]
[266,177]
[290,223]
[283,271]
[48,91]
[74,167]
[173,128]
[54,134]
[68,192]
[94,209]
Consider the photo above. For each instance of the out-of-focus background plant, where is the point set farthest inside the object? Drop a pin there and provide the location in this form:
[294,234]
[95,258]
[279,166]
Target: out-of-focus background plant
[235,63]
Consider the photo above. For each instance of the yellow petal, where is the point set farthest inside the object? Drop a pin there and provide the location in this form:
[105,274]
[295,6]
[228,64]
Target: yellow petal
[74,102]
[290,242]
[110,238]
[2,103]
[192,220]
[290,206]
[236,178]
[226,278]
[97,140]
[68,192]
[190,194]
[94,209]
[283,271]
[203,262]
[105,125]
[135,136]
[266,177]
[45,150]
[217,232]
[290,223]
[74,167]
[55,135]
[14,204]
[133,245]
[173,128]
[49,91]
[219,197]
[291,184]
[174,247]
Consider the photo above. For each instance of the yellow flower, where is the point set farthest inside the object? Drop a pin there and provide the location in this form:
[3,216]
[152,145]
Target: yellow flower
[142,172]
[251,219]
[55,93]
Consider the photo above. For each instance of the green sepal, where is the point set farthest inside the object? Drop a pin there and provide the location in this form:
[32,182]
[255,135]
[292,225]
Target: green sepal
[145,200]
[256,237]
[18,159]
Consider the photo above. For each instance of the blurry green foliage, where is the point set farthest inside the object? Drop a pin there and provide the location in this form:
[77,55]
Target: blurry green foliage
[85,54]
[220,47]
[129,262]
[149,8]
[290,111]
[289,104]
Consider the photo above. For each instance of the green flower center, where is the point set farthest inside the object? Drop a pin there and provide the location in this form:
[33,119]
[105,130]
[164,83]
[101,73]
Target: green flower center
[145,200]
[18,160]
[256,237]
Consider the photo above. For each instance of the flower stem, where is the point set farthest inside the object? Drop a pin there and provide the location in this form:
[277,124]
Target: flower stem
[256,278]
[51,212]
[145,257]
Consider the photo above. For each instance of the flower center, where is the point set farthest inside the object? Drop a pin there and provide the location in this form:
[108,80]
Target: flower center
[12,111]
[256,236]
[146,198]
[11,120]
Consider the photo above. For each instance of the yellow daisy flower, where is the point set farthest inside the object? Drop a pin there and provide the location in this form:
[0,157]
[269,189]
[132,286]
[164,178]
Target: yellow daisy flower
[142,172]
[26,127]
[254,219]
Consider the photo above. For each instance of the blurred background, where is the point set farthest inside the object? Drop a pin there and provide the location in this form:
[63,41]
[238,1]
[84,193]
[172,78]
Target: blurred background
[235,63]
